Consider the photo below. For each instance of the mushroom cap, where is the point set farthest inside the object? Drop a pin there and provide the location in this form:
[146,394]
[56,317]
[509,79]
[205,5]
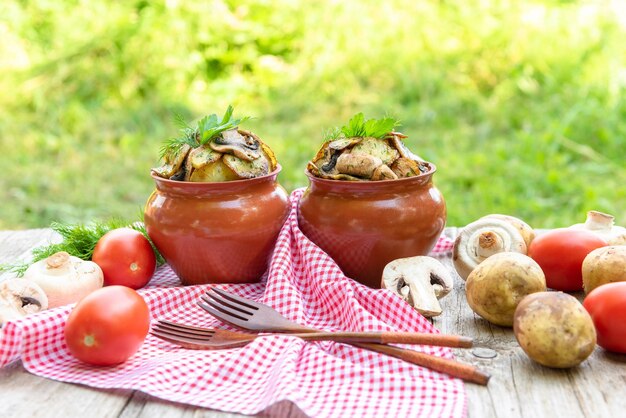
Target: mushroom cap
[603,225]
[420,281]
[65,279]
[483,238]
[527,232]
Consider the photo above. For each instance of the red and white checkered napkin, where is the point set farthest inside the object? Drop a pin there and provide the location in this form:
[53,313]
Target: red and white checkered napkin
[322,378]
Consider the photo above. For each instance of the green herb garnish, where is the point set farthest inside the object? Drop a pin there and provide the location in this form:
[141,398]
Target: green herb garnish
[79,240]
[358,126]
[207,128]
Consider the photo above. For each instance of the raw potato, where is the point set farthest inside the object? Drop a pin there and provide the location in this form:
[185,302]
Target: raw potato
[554,329]
[494,288]
[604,265]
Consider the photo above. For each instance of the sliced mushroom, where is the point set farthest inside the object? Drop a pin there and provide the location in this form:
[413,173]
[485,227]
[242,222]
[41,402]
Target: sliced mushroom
[420,280]
[482,239]
[383,172]
[233,142]
[378,148]
[358,165]
[64,278]
[173,163]
[398,143]
[603,225]
[247,169]
[20,297]
[405,167]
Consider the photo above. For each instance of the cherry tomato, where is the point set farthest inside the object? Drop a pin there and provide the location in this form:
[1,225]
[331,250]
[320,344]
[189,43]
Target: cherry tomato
[107,326]
[125,257]
[607,306]
[560,254]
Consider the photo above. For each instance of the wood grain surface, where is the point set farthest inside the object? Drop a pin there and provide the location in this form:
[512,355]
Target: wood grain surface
[518,387]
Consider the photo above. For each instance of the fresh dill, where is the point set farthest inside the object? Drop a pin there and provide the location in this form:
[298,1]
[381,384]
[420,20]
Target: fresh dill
[78,240]
[206,129]
[358,126]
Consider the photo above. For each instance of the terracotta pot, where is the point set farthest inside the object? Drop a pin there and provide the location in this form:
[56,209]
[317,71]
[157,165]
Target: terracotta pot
[222,232]
[365,225]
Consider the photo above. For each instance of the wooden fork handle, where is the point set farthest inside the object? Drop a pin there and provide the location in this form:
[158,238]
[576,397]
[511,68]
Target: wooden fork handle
[439,364]
[390,337]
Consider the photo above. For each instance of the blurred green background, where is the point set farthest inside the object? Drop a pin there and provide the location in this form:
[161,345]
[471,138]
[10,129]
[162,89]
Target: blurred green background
[521,105]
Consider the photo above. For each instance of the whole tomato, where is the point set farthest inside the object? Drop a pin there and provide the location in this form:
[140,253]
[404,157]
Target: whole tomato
[560,254]
[125,257]
[107,326]
[607,306]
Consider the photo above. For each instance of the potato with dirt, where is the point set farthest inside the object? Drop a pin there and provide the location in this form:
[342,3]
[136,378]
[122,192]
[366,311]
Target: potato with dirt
[497,285]
[604,265]
[554,329]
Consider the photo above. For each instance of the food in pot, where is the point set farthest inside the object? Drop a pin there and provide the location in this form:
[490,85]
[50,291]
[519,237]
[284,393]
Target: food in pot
[366,150]
[215,150]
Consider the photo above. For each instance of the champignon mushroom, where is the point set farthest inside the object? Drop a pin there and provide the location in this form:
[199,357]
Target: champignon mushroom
[20,297]
[64,278]
[383,172]
[233,142]
[359,165]
[483,238]
[420,281]
[603,225]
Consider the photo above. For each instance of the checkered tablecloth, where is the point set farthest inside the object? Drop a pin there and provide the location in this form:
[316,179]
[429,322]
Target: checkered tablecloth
[324,379]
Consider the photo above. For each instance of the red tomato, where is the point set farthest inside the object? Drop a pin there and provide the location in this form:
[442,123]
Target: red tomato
[560,254]
[607,306]
[107,326]
[125,257]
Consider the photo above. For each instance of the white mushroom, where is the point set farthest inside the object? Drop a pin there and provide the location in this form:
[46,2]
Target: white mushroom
[482,239]
[20,297]
[65,279]
[420,281]
[603,225]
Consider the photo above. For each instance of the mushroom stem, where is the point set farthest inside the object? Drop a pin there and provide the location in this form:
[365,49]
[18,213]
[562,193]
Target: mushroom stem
[599,221]
[489,243]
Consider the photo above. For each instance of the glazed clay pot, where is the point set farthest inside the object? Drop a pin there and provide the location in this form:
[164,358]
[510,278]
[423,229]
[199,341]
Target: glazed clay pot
[222,232]
[365,225]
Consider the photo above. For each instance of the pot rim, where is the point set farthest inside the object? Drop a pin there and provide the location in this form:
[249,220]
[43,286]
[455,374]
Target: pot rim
[186,187]
[421,178]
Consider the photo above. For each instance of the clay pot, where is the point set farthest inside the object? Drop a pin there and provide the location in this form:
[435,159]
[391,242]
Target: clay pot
[222,232]
[365,225]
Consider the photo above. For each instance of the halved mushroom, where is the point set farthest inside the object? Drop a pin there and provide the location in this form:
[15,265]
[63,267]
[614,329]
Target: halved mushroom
[20,297]
[233,142]
[603,225]
[483,238]
[420,280]
[64,278]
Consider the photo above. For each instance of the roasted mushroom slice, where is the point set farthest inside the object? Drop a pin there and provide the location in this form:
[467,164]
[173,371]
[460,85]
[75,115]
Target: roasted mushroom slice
[233,142]
[343,143]
[173,163]
[247,169]
[359,165]
[405,167]
[396,141]
[384,173]
[377,148]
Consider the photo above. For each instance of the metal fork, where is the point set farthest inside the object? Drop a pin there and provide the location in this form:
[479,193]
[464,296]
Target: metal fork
[250,315]
[212,339]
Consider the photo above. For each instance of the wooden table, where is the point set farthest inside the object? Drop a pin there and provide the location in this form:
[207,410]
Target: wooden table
[518,388]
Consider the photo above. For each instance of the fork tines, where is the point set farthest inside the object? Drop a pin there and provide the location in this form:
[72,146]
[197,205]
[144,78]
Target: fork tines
[227,307]
[182,333]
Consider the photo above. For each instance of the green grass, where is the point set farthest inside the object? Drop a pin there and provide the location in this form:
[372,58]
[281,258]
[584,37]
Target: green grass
[521,105]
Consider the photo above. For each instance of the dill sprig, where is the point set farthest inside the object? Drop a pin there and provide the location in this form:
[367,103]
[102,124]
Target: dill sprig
[206,129]
[78,240]
[358,126]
